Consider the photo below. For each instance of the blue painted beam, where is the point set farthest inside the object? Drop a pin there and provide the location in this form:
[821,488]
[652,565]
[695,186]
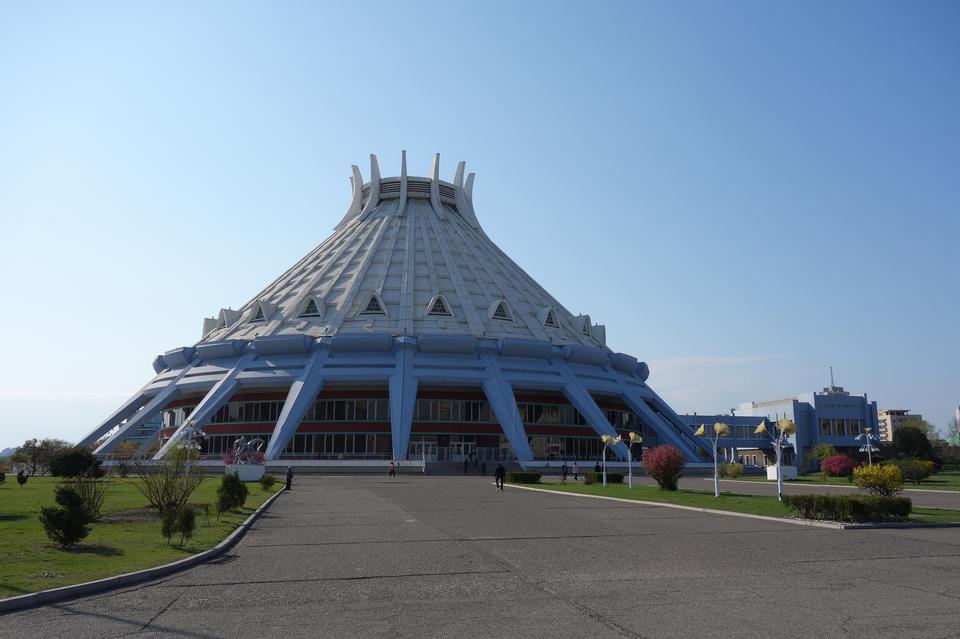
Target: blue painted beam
[499,393]
[403,399]
[221,392]
[300,397]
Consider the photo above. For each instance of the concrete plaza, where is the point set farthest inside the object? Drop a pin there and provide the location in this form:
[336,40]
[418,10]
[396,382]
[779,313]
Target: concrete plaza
[453,557]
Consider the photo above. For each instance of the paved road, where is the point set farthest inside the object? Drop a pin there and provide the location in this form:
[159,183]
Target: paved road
[453,557]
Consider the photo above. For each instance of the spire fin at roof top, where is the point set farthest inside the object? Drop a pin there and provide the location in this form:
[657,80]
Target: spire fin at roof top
[435,187]
[460,195]
[374,198]
[403,183]
[354,210]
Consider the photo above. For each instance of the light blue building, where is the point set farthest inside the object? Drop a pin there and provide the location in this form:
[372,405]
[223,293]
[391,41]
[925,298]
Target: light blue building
[833,416]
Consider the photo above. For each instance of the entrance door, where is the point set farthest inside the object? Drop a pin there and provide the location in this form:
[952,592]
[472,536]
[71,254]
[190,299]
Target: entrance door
[460,451]
[426,451]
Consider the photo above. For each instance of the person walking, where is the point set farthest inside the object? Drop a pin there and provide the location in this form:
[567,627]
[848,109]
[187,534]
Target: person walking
[563,473]
[289,477]
[393,470]
[576,471]
[500,474]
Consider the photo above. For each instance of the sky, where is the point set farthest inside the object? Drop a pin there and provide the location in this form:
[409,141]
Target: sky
[744,193]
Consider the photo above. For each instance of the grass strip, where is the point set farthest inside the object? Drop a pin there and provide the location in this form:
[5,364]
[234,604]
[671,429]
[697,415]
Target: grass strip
[127,539]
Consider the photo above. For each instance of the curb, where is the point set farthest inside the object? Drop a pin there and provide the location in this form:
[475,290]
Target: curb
[943,491]
[53,595]
[729,513]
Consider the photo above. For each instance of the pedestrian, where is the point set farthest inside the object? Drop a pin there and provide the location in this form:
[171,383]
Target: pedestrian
[289,477]
[393,469]
[476,465]
[576,471]
[500,474]
[563,473]
[466,466]
[596,468]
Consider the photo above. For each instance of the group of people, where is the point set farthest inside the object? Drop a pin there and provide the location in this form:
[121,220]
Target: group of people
[478,466]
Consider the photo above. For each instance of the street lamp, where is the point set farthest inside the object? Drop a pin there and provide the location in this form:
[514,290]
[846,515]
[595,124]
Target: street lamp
[630,439]
[868,447]
[608,441]
[719,430]
[784,429]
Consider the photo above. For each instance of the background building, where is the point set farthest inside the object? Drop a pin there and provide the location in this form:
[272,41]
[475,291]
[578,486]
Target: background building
[890,420]
[833,416]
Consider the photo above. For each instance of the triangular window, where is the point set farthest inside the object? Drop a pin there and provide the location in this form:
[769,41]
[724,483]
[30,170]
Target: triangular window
[439,307]
[259,316]
[551,319]
[373,307]
[501,312]
[310,310]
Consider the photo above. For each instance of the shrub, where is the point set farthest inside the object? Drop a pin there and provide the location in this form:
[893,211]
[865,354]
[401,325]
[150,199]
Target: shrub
[823,451]
[838,466]
[92,492]
[21,477]
[3,477]
[914,470]
[731,471]
[267,482]
[849,508]
[74,462]
[168,524]
[612,478]
[231,494]
[186,524]
[66,525]
[523,477]
[885,480]
[170,483]
[664,464]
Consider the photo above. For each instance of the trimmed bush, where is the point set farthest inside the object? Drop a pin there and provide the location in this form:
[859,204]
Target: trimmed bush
[838,466]
[523,477]
[267,482]
[849,508]
[730,471]
[66,525]
[168,524]
[913,470]
[21,477]
[231,494]
[612,478]
[75,462]
[665,465]
[186,523]
[885,480]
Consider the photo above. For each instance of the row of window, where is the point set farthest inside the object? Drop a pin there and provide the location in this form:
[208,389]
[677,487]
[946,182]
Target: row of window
[841,427]
[427,410]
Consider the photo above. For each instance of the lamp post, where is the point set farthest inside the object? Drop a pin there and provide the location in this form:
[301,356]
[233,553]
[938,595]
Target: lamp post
[784,429]
[608,441]
[868,447]
[630,439]
[719,430]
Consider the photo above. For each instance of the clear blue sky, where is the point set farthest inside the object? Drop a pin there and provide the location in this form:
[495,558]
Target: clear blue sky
[744,193]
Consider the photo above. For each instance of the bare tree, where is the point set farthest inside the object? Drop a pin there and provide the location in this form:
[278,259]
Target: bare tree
[169,483]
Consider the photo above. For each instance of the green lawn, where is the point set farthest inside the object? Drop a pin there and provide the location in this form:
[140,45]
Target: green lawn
[751,504]
[940,481]
[127,539]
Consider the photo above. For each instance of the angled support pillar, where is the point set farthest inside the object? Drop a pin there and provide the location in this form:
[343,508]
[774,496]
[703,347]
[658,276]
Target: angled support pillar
[136,418]
[499,393]
[668,430]
[301,396]
[581,399]
[130,407]
[403,399]
[209,405]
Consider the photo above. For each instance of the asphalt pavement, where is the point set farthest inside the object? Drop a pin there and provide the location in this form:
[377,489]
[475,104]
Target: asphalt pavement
[454,557]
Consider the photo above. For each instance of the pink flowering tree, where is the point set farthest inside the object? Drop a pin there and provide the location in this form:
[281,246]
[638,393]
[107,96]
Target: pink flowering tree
[665,465]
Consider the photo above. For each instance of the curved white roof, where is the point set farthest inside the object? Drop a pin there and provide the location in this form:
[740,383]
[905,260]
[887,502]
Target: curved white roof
[408,258]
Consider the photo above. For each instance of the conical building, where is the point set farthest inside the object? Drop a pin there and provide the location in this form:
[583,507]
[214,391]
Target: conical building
[406,334]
